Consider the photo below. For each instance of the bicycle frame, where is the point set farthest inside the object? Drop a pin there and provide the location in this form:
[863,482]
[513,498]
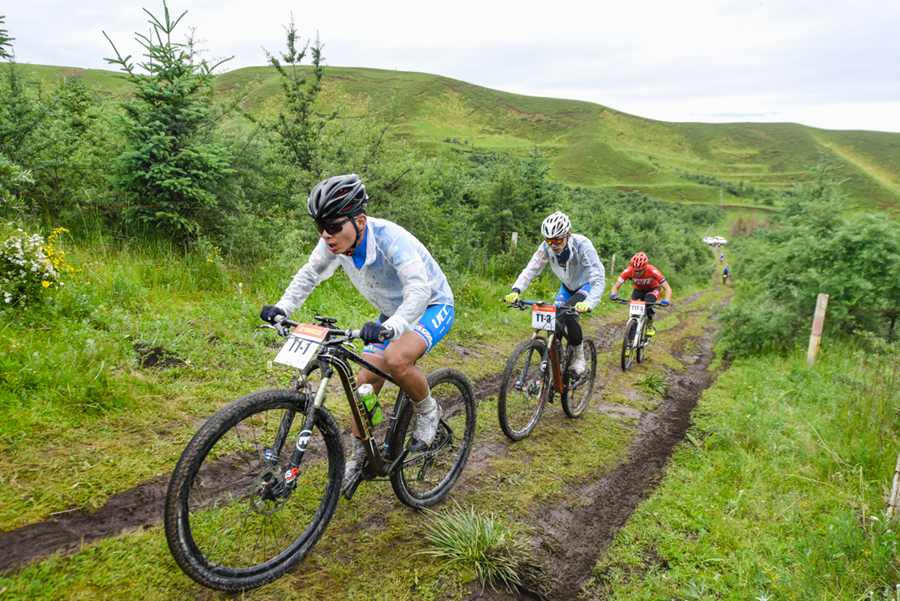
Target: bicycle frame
[554,345]
[336,357]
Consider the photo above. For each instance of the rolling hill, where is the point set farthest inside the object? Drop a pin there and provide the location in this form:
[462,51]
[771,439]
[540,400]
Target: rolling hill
[592,145]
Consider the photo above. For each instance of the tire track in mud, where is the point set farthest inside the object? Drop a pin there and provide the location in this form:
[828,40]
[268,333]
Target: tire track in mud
[574,536]
[578,535]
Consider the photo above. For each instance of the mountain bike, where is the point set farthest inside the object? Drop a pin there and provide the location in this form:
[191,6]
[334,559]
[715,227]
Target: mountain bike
[634,344]
[258,484]
[538,368]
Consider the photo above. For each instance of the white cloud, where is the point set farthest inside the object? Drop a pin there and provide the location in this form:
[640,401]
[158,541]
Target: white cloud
[825,63]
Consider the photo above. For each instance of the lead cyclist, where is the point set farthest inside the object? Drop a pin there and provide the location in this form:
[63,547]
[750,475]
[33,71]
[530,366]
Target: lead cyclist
[398,276]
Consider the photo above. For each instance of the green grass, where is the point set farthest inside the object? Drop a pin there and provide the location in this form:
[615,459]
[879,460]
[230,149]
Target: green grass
[779,492]
[588,144]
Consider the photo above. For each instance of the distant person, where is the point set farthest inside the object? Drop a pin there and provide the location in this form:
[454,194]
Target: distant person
[725,273]
[648,281]
[575,262]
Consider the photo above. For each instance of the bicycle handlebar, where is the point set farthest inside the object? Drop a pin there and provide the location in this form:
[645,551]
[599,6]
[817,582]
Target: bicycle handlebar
[523,305]
[285,326]
[627,301]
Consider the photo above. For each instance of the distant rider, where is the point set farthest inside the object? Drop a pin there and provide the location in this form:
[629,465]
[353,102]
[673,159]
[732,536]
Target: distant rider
[574,260]
[398,276]
[648,280]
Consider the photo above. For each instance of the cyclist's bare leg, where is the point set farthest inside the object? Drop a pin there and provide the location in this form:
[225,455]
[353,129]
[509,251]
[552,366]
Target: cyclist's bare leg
[399,360]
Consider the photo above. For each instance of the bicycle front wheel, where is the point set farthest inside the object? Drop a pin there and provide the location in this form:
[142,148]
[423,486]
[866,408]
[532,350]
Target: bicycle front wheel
[577,389]
[524,390]
[628,344]
[227,524]
[425,478]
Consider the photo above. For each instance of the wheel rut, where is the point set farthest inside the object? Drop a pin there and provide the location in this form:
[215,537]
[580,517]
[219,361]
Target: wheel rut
[578,534]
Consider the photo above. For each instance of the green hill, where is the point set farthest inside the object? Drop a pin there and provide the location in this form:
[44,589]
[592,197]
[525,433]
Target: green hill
[592,145]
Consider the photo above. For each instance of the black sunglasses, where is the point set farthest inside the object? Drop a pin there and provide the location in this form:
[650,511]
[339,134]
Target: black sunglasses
[332,227]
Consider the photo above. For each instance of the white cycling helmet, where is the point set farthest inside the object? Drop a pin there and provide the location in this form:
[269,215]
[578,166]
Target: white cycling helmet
[556,225]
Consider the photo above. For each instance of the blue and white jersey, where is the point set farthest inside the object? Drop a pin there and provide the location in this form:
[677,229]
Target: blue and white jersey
[399,277]
[583,267]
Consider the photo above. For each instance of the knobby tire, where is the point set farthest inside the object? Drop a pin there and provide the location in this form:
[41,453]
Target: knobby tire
[524,390]
[426,478]
[221,528]
[628,344]
[577,389]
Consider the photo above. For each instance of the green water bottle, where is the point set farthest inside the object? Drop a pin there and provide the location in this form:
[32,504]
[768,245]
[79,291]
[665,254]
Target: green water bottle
[367,394]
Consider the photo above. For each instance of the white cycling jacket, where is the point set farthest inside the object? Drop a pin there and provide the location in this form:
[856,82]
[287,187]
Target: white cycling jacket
[399,278]
[583,267]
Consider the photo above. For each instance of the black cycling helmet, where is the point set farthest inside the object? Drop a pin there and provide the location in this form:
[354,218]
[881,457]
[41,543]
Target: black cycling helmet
[338,196]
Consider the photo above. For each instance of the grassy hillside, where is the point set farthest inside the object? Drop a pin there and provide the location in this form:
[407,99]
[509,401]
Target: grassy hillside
[589,144]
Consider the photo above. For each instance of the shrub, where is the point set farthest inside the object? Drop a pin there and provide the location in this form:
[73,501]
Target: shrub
[29,267]
[497,553]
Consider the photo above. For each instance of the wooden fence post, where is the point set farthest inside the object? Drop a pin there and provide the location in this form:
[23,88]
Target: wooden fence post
[512,244]
[816,335]
[892,501]
[612,265]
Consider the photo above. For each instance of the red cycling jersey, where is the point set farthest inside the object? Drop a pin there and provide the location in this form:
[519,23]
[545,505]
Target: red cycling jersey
[650,279]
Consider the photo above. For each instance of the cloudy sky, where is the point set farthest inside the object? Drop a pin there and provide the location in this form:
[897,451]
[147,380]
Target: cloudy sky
[833,64]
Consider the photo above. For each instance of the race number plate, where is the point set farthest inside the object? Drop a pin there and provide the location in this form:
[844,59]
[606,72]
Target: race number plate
[637,307]
[543,317]
[301,346]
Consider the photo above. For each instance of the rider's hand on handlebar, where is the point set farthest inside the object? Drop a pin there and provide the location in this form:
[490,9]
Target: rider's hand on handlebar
[373,332]
[613,296]
[270,312]
[582,308]
[512,297]
[664,303]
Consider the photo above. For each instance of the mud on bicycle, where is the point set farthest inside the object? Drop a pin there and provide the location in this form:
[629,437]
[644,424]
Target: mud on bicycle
[539,368]
[634,343]
[256,487]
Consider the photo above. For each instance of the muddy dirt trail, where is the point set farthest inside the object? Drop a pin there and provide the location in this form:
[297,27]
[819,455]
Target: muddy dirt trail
[577,532]
[574,535]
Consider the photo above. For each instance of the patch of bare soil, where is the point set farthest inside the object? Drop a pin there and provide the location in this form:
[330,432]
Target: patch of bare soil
[574,534]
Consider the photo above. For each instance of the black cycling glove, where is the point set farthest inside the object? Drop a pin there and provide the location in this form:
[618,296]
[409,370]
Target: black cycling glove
[373,332]
[269,312]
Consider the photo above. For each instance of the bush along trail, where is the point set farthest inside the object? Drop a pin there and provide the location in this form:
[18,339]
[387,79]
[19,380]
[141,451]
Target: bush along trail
[571,485]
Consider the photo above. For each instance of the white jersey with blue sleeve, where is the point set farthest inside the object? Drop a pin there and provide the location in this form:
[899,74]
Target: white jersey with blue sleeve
[583,267]
[400,278]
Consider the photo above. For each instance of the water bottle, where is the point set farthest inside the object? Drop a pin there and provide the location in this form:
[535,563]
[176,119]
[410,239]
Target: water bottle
[367,394]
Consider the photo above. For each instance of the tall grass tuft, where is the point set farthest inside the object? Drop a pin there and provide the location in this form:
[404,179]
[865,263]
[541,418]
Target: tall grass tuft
[498,552]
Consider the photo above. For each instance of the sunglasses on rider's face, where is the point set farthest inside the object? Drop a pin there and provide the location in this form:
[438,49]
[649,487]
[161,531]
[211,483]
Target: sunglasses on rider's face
[559,240]
[332,227]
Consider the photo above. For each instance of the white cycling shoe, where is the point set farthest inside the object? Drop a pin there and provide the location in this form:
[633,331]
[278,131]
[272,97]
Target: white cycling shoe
[353,468]
[579,366]
[425,422]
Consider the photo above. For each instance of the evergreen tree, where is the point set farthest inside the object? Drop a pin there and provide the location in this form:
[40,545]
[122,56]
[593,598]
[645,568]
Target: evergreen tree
[169,171]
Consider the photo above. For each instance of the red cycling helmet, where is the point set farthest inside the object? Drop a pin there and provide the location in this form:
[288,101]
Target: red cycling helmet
[639,261]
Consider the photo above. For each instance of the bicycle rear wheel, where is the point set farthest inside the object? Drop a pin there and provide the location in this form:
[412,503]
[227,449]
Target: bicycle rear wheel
[628,346]
[224,526]
[425,478]
[577,389]
[524,390]
[640,349]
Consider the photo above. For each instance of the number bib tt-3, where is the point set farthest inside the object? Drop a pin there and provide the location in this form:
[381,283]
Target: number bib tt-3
[543,317]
